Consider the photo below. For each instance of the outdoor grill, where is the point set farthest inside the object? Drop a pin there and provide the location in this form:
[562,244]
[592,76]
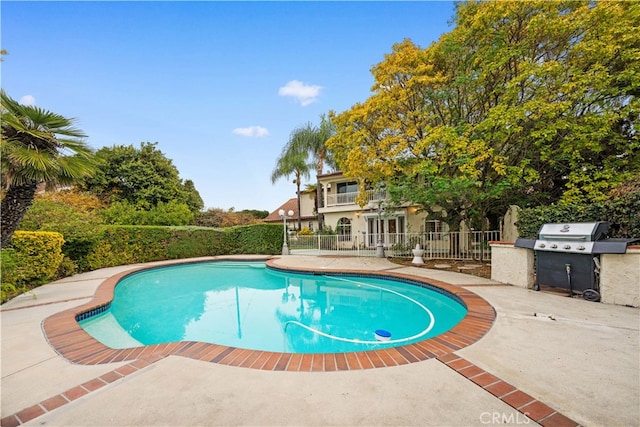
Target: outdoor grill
[568,256]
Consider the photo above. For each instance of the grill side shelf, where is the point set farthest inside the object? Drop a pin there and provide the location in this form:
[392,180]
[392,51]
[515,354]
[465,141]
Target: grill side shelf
[525,243]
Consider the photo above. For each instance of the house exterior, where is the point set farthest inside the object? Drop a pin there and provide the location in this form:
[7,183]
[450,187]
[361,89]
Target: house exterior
[362,226]
[359,230]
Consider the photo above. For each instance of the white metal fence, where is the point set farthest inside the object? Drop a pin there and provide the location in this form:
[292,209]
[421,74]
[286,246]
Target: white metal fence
[463,245]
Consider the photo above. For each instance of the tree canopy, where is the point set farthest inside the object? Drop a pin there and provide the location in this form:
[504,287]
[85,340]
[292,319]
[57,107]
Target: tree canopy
[142,177]
[521,103]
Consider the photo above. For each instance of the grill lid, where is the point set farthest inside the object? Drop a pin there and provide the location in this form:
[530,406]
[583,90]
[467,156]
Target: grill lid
[581,238]
[578,237]
[580,231]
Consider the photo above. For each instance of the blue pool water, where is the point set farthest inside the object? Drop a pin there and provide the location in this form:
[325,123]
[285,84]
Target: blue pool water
[247,305]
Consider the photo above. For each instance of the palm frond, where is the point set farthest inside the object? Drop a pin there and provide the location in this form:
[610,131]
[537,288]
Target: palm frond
[38,145]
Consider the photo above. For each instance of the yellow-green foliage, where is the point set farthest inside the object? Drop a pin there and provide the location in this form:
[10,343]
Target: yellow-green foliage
[38,255]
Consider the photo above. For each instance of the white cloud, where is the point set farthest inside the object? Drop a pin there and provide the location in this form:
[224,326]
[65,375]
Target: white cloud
[28,100]
[303,93]
[252,131]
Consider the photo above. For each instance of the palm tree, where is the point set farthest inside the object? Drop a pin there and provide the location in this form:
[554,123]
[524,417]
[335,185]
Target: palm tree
[294,163]
[36,146]
[312,142]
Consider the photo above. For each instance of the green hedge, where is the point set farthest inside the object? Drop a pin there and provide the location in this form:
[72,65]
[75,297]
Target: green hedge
[119,245]
[531,219]
[33,259]
[36,257]
[620,210]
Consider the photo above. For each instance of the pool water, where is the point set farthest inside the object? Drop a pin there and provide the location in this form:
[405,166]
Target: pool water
[247,305]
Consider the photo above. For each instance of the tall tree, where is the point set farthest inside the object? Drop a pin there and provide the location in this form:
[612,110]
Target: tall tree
[522,102]
[37,146]
[311,141]
[142,177]
[292,162]
[192,197]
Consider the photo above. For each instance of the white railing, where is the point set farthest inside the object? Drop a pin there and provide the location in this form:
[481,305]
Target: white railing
[463,245]
[350,198]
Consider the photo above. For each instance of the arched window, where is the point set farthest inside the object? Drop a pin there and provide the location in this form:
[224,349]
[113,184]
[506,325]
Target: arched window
[344,229]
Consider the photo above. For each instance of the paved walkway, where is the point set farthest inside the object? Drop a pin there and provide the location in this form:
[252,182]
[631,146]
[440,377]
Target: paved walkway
[562,361]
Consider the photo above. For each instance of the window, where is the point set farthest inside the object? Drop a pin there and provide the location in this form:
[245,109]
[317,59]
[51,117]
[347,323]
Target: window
[347,187]
[344,229]
[434,229]
[346,193]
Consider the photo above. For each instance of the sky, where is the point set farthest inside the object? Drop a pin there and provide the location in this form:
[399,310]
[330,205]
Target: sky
[219,86]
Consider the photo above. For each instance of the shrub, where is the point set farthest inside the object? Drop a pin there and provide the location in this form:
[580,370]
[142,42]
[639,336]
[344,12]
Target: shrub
[39,254]
[8,274]
[74,215]
[255,239]
[120,245]
[196,242]
[66,268]
[531,219]
[620,210]
[33,259]
[623,209]
[170,214]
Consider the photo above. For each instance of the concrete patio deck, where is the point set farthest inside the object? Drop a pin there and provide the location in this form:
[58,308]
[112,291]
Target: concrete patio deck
[562,361]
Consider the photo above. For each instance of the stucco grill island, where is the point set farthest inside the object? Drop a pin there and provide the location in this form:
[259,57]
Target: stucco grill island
[568,255]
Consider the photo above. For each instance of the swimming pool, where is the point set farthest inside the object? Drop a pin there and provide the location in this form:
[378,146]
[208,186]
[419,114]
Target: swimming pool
[247,305]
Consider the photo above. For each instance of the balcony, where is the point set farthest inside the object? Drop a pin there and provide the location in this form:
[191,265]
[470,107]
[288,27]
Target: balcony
[342,199]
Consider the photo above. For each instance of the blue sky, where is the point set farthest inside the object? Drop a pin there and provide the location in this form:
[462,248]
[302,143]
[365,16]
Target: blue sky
[218,85]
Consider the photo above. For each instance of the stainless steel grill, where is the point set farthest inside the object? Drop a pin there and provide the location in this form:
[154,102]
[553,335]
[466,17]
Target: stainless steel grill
[567,255]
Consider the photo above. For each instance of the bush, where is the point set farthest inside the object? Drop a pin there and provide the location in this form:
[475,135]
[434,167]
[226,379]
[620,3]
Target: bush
[36,257]
[8,274]
[196,242]
[623,209]
[39,254]
[74,215]
[255,239]
[119,245]
[531,219]
[620,210]
[170,214]
[33,259]
[66,268]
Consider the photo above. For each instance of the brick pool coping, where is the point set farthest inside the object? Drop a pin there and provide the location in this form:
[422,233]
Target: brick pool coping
[70,341]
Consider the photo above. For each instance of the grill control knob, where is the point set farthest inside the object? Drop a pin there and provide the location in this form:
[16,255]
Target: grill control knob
[566,247]
[542,245]
[581,248]
[554,246]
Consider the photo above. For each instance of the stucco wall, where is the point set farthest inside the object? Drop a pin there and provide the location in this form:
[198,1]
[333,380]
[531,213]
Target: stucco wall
[512,265]
[620,278]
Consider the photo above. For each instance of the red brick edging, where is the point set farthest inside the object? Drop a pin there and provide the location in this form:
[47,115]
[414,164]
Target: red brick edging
[517,399]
